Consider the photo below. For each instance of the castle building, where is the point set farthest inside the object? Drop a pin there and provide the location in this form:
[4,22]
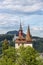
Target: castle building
[21,40]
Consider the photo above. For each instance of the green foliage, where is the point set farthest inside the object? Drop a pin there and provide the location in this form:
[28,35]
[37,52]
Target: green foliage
[5,45]
[8,57]
[12,43]
[21,56]
[40,59]
[27,56]
[38,45]
[0,47]
[0,44]
[10,53]
[6,36]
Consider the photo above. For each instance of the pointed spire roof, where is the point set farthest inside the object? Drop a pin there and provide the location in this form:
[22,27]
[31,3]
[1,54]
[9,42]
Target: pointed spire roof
[20,26]
[28,35]
[28,29]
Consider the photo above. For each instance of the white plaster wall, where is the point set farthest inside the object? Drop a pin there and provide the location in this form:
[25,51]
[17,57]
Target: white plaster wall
[25,45]
[16,45]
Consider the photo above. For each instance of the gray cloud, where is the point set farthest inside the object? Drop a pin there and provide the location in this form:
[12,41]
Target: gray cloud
[21,5]
[29,11]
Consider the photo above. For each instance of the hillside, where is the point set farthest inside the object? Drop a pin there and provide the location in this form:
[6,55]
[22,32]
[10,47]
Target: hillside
[14,32]
[38,44]
[10,34]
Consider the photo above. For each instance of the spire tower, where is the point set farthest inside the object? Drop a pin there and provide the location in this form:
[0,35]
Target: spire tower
[21,40]
[20,26]
[20,30]
[28,35]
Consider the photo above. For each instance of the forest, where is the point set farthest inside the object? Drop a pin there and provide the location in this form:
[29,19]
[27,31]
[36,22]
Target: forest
[19,56]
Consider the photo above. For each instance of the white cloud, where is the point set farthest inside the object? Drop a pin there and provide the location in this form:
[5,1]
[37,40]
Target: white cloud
[11,21]
[21,5]
[32,8]
[37,28]
[7,20]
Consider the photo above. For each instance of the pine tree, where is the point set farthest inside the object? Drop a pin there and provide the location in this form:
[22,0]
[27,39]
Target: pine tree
[5,44]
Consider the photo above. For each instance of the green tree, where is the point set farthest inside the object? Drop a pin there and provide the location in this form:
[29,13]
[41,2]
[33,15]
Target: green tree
[9,57]
[12,43]
[38,45]
[27,56]
[21,56]
[5,45]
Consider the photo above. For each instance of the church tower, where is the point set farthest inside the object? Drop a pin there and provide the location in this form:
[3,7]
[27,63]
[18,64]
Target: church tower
[20,40]
[20,31]
[28,38]
[28,35]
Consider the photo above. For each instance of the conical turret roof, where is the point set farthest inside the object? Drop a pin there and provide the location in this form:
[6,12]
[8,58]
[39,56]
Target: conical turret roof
[28,35]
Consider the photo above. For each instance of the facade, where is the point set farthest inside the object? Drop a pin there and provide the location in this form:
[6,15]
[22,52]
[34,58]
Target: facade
[21,40]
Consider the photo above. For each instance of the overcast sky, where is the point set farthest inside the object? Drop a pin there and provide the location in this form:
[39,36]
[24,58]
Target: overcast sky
[29,12]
